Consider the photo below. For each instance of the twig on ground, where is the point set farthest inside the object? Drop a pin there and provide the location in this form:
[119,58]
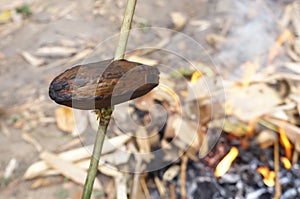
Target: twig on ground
[184,162]
[276,169]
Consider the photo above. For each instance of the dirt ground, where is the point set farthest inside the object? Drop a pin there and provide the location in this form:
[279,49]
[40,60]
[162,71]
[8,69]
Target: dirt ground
[24,88]
[26,109]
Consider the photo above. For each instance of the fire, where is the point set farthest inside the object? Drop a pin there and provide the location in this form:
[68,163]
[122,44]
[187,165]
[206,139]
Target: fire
[226,162]
[286,162]
[195,76]
[269,176]
[285,143]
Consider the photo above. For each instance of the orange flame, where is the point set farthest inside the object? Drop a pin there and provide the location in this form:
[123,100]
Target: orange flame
[226,162]
[284,141]
[195,76]
[286,162]
[269,176]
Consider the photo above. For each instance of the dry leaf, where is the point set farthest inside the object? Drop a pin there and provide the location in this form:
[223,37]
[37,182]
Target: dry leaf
[67,169]
[186,131]
[179,20]
[118,157]
[28,138]
[93,120]
[81,118]
[142,140]
[281,115]
[266,138]
[201,24]
[160,187]
[295,67]
[170,131]
[136,188]
[70,144]
[69,42]
[145,187]
[236,128]
[56,51]
[105,169]
[12,165]
[34,61]
[146,61]
[171,173]
[39,168]
[41,182]
[143,143]
[65,119]
[121,187]
[252,102]
[204,149]
[282,75]
[109,171]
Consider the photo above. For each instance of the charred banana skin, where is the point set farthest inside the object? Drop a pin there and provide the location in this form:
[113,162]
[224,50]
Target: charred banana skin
[103,84]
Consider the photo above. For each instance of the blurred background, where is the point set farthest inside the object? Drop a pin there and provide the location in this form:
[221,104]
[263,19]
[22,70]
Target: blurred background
[248,51]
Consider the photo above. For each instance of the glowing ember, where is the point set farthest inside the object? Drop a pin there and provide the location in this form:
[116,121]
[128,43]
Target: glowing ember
[196,75]
[284,141]
[269,176]
[286,162]
[226,162]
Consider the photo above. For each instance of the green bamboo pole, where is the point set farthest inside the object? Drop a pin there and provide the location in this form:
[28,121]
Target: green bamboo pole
[104,114]
[124,33]
[104,117]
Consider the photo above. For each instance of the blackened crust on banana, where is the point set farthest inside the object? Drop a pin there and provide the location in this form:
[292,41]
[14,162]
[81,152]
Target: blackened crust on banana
[103,84]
